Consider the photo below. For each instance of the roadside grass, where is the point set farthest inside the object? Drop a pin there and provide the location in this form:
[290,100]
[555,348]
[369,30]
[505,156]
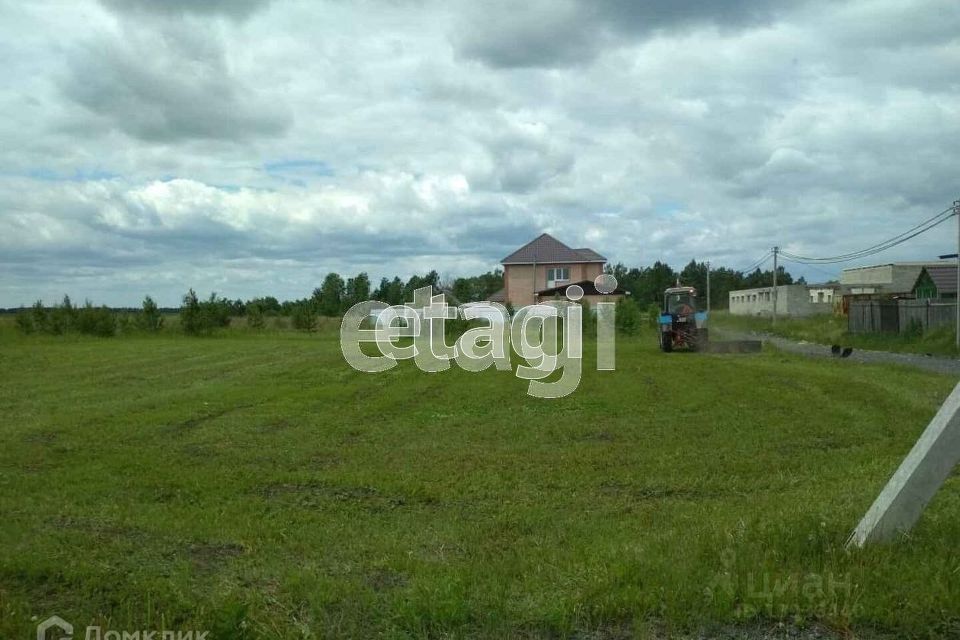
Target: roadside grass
[255,486]
[830,329]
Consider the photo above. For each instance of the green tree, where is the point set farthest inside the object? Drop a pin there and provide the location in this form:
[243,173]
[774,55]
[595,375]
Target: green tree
[357,290]
[618,271]
[255,315]
[96,321]
[62,318]
[695,275]
[202,317]
[628,317]
[656,279]
[653,315]
[40,317]
[415,282]
[24,321]
[331,296]
[476,288]
[149,318]
[304,318]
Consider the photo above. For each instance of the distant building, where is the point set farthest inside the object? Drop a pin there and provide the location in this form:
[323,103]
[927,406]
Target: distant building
[936,283]
[792,300]
[825,292]
[895,279]
[546,266]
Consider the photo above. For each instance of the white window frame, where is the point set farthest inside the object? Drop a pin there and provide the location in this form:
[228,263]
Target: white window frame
[553,272]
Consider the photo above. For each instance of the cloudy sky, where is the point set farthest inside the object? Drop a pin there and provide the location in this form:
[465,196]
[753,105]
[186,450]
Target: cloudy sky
[250,146]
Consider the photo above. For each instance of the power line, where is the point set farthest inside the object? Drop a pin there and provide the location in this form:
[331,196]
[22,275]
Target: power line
[810,265]
[913,232]
[756,263]
[902,237]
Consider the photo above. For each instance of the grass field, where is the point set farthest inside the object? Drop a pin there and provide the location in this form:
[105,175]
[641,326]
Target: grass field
[831,329]
[255,486]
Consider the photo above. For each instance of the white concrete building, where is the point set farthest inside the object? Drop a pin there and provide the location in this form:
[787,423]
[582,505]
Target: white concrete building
[792,300]
[823,292]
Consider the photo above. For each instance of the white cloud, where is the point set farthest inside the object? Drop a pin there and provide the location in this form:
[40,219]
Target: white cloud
[252,147]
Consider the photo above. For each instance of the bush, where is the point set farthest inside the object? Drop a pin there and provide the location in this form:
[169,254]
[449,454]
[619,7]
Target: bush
[150,318]
[63,318]
[653,315]
[255,316]
[304,318]
[39,317]
[453,328]
[914,328]
[201,318]
[628,317]
[24,321]
[96,321]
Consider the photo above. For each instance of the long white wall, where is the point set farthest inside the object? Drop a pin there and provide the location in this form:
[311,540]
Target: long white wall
[792,300]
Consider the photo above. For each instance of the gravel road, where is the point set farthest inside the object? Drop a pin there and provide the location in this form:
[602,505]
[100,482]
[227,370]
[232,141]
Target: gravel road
[949,366]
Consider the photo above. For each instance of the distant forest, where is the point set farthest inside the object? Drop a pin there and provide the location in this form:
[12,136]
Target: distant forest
[337,294]
[645,284]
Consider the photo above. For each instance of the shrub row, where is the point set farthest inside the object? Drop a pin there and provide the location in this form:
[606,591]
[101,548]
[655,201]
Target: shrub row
[87,320]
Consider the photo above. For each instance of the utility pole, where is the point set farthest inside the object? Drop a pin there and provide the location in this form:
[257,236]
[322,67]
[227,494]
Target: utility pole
[956,212]
[708,286]
[776,250]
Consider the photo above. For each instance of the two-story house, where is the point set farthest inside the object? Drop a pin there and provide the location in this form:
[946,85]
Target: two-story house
[546,264]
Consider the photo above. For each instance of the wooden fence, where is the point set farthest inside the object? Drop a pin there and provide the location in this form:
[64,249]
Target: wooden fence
[899,316]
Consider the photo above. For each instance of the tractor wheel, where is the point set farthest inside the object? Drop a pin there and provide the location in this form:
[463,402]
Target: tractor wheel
[666,342]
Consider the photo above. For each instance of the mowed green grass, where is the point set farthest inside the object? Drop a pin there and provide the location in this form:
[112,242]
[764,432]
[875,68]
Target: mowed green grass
[256,486]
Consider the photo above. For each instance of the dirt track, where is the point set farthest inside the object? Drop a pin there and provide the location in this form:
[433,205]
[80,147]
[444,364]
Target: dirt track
[949,366]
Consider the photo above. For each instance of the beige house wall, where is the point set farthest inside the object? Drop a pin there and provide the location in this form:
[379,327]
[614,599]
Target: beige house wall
[519,285]
[593,300]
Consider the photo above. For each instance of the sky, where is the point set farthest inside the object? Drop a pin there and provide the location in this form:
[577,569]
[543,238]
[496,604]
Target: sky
[249,147]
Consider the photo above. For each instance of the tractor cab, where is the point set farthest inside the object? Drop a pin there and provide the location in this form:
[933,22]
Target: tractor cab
[680,301]
[681,325]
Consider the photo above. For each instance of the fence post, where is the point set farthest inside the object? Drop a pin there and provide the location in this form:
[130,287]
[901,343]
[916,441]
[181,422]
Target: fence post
[922,472]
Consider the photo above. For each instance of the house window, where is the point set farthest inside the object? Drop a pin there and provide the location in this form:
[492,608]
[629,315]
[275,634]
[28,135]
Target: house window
[557,275]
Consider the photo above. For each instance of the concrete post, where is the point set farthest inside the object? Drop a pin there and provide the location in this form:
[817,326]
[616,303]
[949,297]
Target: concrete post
[922,472]
[776,250]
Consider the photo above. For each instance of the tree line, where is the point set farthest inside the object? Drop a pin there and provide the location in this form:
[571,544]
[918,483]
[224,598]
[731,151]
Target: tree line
[336,294]
[646,284]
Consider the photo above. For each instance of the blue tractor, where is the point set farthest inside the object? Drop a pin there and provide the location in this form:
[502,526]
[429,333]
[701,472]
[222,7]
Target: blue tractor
[681,325]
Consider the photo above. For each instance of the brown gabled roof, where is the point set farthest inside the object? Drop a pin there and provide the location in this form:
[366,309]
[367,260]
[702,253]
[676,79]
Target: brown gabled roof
[546,248]
[590,253]
[943,276]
